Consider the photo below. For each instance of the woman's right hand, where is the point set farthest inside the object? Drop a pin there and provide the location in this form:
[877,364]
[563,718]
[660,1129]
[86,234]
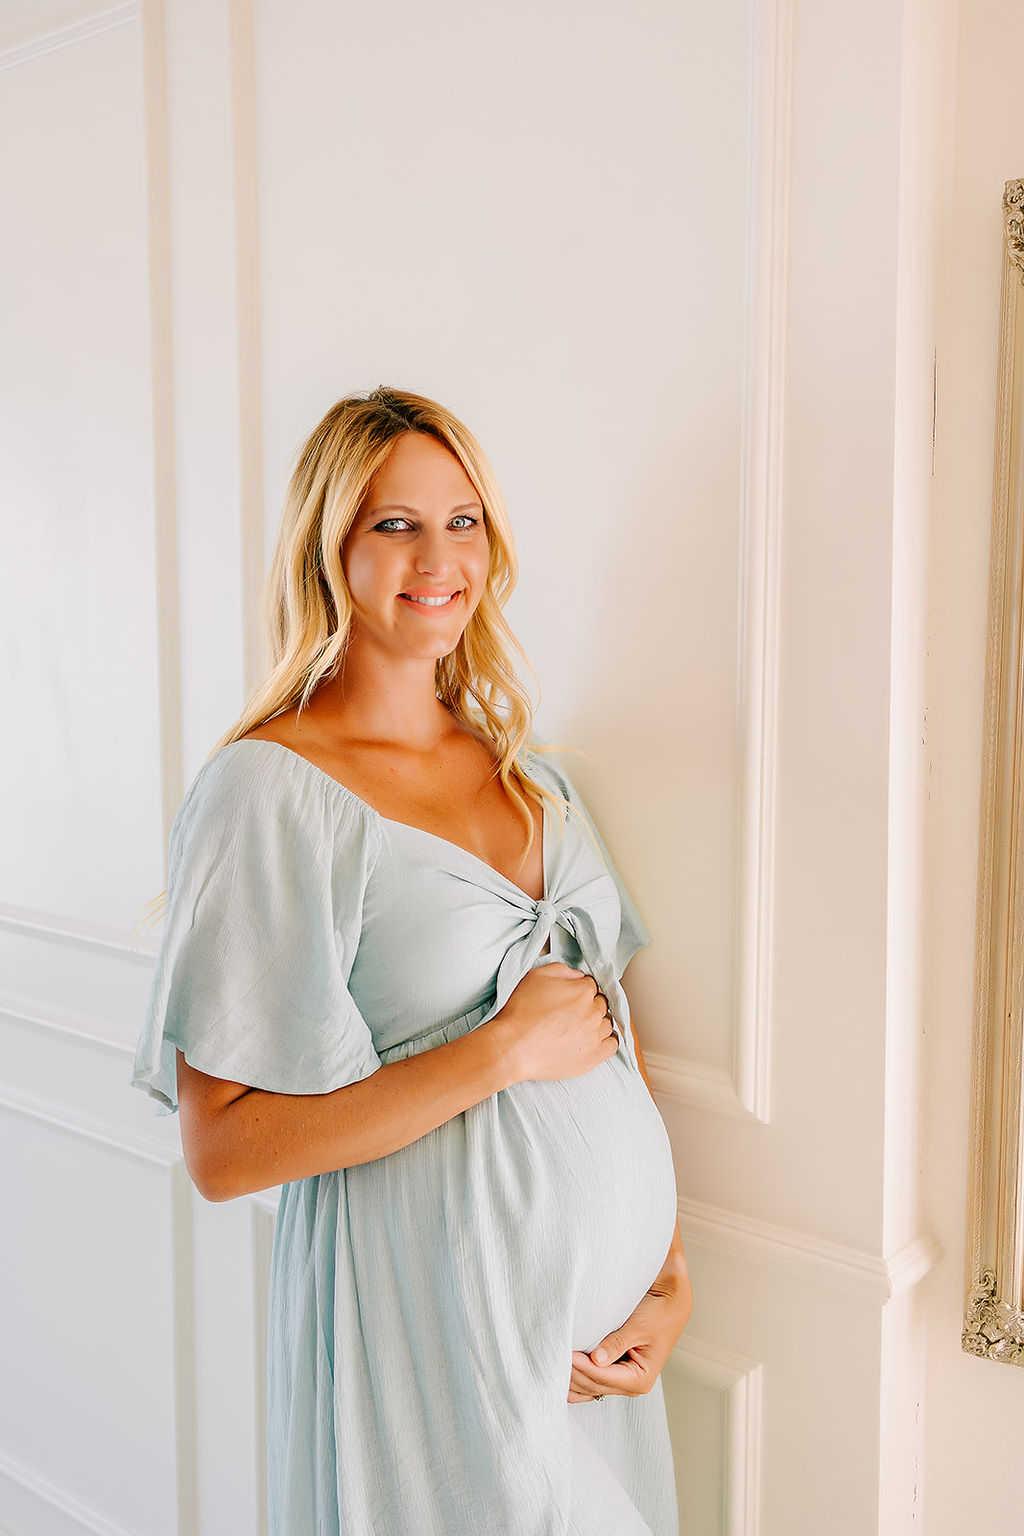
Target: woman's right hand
[556,1024]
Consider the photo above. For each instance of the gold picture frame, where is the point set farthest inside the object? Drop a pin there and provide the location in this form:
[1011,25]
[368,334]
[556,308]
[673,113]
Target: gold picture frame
[994,1302]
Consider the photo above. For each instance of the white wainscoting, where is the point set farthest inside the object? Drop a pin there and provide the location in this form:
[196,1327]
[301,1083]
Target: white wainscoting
[737,1382]
[225,216]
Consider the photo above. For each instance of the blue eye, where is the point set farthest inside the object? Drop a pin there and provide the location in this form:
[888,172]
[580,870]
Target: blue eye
[462,522]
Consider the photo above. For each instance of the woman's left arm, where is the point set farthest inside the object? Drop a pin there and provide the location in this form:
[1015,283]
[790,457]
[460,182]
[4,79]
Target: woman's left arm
[629,1360]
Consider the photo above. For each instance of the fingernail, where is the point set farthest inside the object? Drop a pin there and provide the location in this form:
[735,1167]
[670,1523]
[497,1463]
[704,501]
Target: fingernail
[599,1356]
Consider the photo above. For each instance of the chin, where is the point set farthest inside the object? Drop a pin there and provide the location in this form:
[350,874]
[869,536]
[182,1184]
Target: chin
[439,650]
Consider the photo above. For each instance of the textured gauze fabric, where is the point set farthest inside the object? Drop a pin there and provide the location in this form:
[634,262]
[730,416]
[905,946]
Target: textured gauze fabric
[424,1306]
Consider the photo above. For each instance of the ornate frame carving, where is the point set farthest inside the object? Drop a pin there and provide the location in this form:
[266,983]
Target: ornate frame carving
[994,1306]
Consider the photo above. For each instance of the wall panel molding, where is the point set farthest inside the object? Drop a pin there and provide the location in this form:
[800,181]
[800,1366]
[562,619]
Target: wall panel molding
[263,1214]
[168,1158]
[740,1380]
[79,1027]
[186,1365]
[57,1500]
[694,1084]
[250,346]
[763,397]
[55,928]
[105,1133]
[816,1260]
[168,614]
[37,45]
[745,1089]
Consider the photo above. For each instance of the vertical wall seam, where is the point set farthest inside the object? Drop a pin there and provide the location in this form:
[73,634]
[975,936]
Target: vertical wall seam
[250,348]
[744,1432]
[185,1383]
[154,65]
[262,1245]
[761,498]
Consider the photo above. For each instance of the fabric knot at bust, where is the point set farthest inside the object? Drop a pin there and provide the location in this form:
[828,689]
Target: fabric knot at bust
[572,915]
[547,916]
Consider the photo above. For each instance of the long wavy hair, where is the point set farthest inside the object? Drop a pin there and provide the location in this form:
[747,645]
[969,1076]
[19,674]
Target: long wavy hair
[308,607]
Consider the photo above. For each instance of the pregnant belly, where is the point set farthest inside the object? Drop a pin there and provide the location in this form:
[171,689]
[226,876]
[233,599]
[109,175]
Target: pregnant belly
[529,1226]
[586,1178]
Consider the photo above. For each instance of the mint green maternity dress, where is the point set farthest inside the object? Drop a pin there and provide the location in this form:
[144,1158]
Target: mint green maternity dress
[424,1307]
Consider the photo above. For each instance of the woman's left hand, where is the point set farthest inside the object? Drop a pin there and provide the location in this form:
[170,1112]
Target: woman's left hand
[628,1361]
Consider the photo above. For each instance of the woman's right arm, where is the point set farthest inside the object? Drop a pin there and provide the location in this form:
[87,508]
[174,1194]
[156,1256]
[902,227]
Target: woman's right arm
[238,1139]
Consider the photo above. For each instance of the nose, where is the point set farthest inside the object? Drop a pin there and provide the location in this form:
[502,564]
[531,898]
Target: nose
[433,553]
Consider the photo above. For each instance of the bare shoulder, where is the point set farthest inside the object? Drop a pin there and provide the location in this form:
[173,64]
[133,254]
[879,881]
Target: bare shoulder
[322,741]
[315,735]
[281,728]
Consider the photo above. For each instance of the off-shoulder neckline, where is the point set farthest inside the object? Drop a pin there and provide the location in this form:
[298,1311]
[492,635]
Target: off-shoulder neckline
[375,816]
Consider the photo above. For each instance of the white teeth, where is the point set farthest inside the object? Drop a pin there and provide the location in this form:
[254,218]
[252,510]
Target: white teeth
[429,602]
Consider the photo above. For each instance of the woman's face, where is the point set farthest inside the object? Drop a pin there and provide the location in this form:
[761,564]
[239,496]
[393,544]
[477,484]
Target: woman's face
[416,557]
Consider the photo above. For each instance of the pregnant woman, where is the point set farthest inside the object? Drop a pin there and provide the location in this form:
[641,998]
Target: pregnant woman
[390,981]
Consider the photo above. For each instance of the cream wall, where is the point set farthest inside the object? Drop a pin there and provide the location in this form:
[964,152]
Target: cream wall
[684,269]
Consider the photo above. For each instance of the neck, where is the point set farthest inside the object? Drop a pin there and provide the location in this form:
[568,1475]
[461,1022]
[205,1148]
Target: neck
[384,699]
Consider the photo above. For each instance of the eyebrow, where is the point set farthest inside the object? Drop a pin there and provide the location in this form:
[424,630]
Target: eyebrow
[396,506]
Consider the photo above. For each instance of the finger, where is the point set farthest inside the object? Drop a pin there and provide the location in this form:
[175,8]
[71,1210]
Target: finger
[585,1377]
[613,1347]
[581,1391]
[615,1375]
[582,1378]
[628,1379]
[582,1375]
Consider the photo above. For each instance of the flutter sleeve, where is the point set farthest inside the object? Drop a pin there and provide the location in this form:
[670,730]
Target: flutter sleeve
[268,864]
[633,931]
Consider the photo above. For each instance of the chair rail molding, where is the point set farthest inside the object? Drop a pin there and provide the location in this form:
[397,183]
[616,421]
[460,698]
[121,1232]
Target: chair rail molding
[816,1260]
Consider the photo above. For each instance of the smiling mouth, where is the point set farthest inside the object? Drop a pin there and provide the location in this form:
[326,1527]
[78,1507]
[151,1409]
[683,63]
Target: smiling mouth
[443,600]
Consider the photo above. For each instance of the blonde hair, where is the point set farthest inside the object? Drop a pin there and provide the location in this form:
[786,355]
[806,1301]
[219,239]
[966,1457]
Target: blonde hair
[308,608]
